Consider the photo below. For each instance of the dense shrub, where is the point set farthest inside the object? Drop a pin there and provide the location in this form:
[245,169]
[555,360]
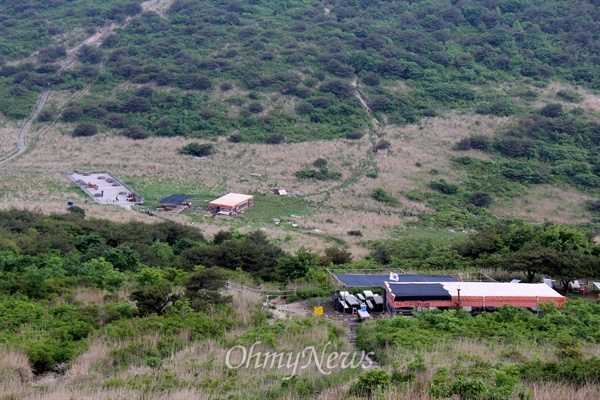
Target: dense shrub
[255,108]
[275,139]
[354,135]
[235,138]
[444,187]
[72,113]
[319,163]
[551,110]
[570,95]
[371,79]
[480,199]
[304,108]
[337,87]
[502,108]
[381,195]
[197,149]
[135,132]
[85,129]
[323,174]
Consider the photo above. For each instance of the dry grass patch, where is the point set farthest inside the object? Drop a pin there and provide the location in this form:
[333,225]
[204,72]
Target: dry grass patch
[546,203]
[14,368]
[418,150]
[9,135]
[591,100]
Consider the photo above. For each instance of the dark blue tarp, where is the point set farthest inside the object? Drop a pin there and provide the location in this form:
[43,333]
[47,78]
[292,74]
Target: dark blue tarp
[366,280]
[420,292]
[176,199]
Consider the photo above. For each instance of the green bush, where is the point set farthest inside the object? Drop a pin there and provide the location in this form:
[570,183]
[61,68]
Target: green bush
[323,174]
[371,381]
[85,129]
[197,149]
[501,108]
[570,95]
[381,195]
[480,199]
[136,133]
[444,187]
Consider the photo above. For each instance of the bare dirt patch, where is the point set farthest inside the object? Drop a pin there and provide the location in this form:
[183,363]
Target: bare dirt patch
[299,308]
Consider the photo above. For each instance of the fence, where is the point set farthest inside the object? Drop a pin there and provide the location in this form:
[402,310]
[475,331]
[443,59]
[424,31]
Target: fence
[261,292]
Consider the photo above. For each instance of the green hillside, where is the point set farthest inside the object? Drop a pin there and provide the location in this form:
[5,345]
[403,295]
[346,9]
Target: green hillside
[260,68]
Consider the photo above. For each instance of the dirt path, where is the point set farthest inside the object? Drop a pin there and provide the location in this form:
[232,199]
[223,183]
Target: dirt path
[93,40]
[22,146]
[368,162]
[354,84]
[158,6]
[304,308]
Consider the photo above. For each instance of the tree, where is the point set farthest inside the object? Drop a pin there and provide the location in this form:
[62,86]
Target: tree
[184,244]
[85,129]
[163,252]
[90,54]
[532,260]
[123,258]
[520,236]
[563,238]
[570,265]
[336,256]
[222,237]
[153,292]
[489,240]
[103,274]
[371,79]
[203,288]
[292,267]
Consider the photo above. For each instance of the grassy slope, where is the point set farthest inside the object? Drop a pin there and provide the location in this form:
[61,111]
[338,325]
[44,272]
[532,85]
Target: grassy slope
[153,167]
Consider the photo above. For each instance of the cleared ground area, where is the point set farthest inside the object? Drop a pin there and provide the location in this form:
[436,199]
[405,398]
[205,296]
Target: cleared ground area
[104,189]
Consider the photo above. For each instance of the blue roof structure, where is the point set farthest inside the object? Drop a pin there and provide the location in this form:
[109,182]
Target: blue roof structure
[175,199]
[421,292]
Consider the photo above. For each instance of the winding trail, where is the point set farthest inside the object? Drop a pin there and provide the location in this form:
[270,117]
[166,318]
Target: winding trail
[158,6]
[362,100]
[22,146]
[368,162]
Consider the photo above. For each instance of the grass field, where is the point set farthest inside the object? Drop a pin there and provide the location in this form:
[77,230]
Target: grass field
[329,209]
